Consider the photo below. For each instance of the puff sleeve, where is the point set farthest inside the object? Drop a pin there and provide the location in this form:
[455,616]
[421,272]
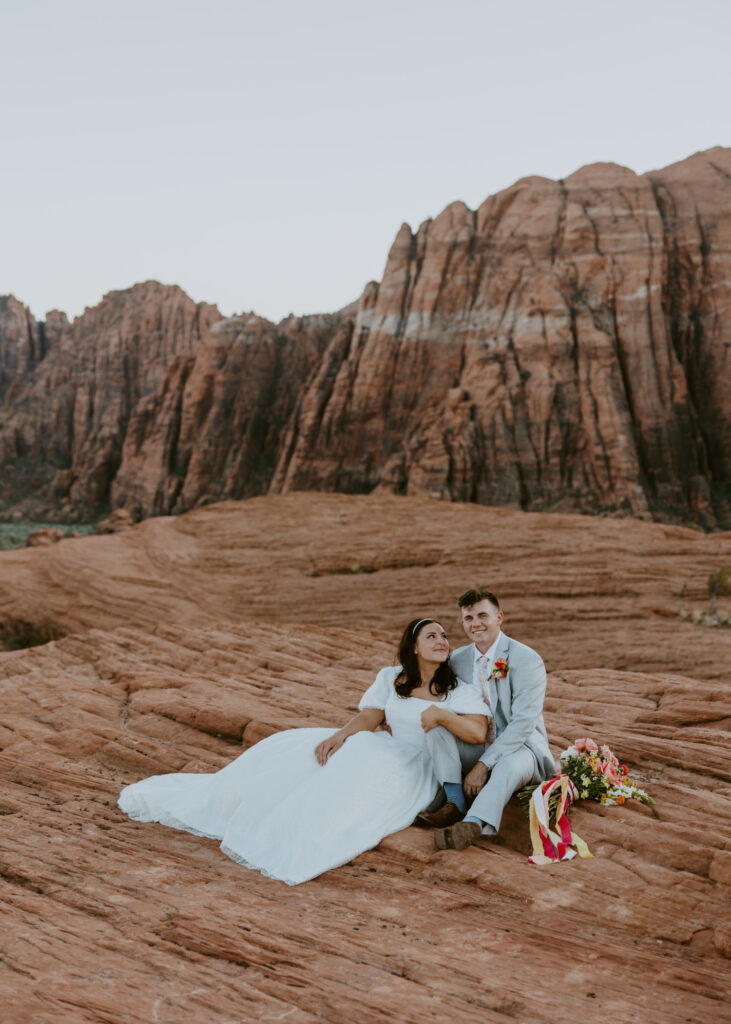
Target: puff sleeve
[380,689]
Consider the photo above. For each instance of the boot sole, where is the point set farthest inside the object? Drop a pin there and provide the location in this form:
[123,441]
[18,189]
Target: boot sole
[457,837]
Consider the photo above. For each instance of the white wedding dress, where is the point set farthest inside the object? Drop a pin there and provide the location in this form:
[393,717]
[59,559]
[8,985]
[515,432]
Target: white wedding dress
[277,810]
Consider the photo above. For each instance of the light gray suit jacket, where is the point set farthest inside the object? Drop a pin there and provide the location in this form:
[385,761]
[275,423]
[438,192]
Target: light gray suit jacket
[520,698]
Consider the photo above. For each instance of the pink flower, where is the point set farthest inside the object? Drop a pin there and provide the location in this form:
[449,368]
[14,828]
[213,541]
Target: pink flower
[610,772]
[608,755]
[586,744]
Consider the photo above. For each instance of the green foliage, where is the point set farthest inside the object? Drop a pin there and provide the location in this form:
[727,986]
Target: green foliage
[719,585]
[17,634]
[719,582]
[14,535]
[525,795]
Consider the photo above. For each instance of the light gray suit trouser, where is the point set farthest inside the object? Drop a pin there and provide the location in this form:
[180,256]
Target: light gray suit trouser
[452,757]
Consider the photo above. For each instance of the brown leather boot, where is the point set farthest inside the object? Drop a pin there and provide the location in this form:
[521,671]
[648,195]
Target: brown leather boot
[448,814]
[458,837]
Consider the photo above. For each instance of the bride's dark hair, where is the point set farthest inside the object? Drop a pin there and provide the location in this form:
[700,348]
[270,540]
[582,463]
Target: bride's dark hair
[409,677]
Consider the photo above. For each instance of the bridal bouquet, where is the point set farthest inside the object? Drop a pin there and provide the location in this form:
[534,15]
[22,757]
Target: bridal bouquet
[595,774]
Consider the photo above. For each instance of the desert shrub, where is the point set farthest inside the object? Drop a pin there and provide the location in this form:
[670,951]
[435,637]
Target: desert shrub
[14,535]
[719,585]
[17,634]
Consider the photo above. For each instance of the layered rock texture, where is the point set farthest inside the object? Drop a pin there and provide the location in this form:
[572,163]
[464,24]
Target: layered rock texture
[567,343]
[189,638]
[24,343]
[565,346]
[213,428]
[71,390]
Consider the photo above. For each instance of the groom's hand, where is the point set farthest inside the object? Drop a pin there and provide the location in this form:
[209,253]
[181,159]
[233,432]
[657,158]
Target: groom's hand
[475,780]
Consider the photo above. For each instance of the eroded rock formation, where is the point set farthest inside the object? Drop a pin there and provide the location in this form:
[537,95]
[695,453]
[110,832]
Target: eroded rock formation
[65,418]
[212,430]
[566,346]
[23,342]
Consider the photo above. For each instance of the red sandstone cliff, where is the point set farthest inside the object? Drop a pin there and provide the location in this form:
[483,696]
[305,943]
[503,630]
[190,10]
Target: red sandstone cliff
[212,430]
[64,421]
[563,347]
[23,342]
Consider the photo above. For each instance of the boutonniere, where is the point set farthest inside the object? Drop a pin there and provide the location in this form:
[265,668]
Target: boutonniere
[499,669]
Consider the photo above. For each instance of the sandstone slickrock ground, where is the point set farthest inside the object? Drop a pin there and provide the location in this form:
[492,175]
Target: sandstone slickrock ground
[565,346]
[191,637]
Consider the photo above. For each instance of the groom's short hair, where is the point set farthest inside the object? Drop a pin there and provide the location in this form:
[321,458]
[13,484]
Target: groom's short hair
[476,595]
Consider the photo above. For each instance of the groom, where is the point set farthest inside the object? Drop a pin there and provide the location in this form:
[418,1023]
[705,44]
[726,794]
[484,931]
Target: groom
[512,679]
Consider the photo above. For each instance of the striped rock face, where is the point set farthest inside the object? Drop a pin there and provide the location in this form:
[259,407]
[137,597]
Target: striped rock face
[564,347]
[71,389]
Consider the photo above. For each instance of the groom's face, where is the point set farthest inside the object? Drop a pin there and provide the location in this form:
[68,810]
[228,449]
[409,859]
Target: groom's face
[481,623]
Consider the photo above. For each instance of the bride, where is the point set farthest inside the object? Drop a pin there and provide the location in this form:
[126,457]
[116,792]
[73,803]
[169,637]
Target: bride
[306,800]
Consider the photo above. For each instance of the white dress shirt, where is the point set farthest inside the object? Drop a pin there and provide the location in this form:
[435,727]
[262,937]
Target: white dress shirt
[490,655]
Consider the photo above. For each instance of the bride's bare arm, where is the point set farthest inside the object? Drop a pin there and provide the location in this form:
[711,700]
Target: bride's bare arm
[365,721]
[470,728]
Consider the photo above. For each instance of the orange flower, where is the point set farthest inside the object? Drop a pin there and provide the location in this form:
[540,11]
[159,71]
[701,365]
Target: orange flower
[499,669]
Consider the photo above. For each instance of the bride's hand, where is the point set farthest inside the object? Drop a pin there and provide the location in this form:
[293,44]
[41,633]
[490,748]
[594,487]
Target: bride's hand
[329,746]
[431,718]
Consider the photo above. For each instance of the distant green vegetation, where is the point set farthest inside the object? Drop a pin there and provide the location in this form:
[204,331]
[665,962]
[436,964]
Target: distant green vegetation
[17,635]
[719,585]
[14,535]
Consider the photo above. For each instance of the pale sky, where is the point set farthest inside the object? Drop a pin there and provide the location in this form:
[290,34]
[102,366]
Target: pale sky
[262,155]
